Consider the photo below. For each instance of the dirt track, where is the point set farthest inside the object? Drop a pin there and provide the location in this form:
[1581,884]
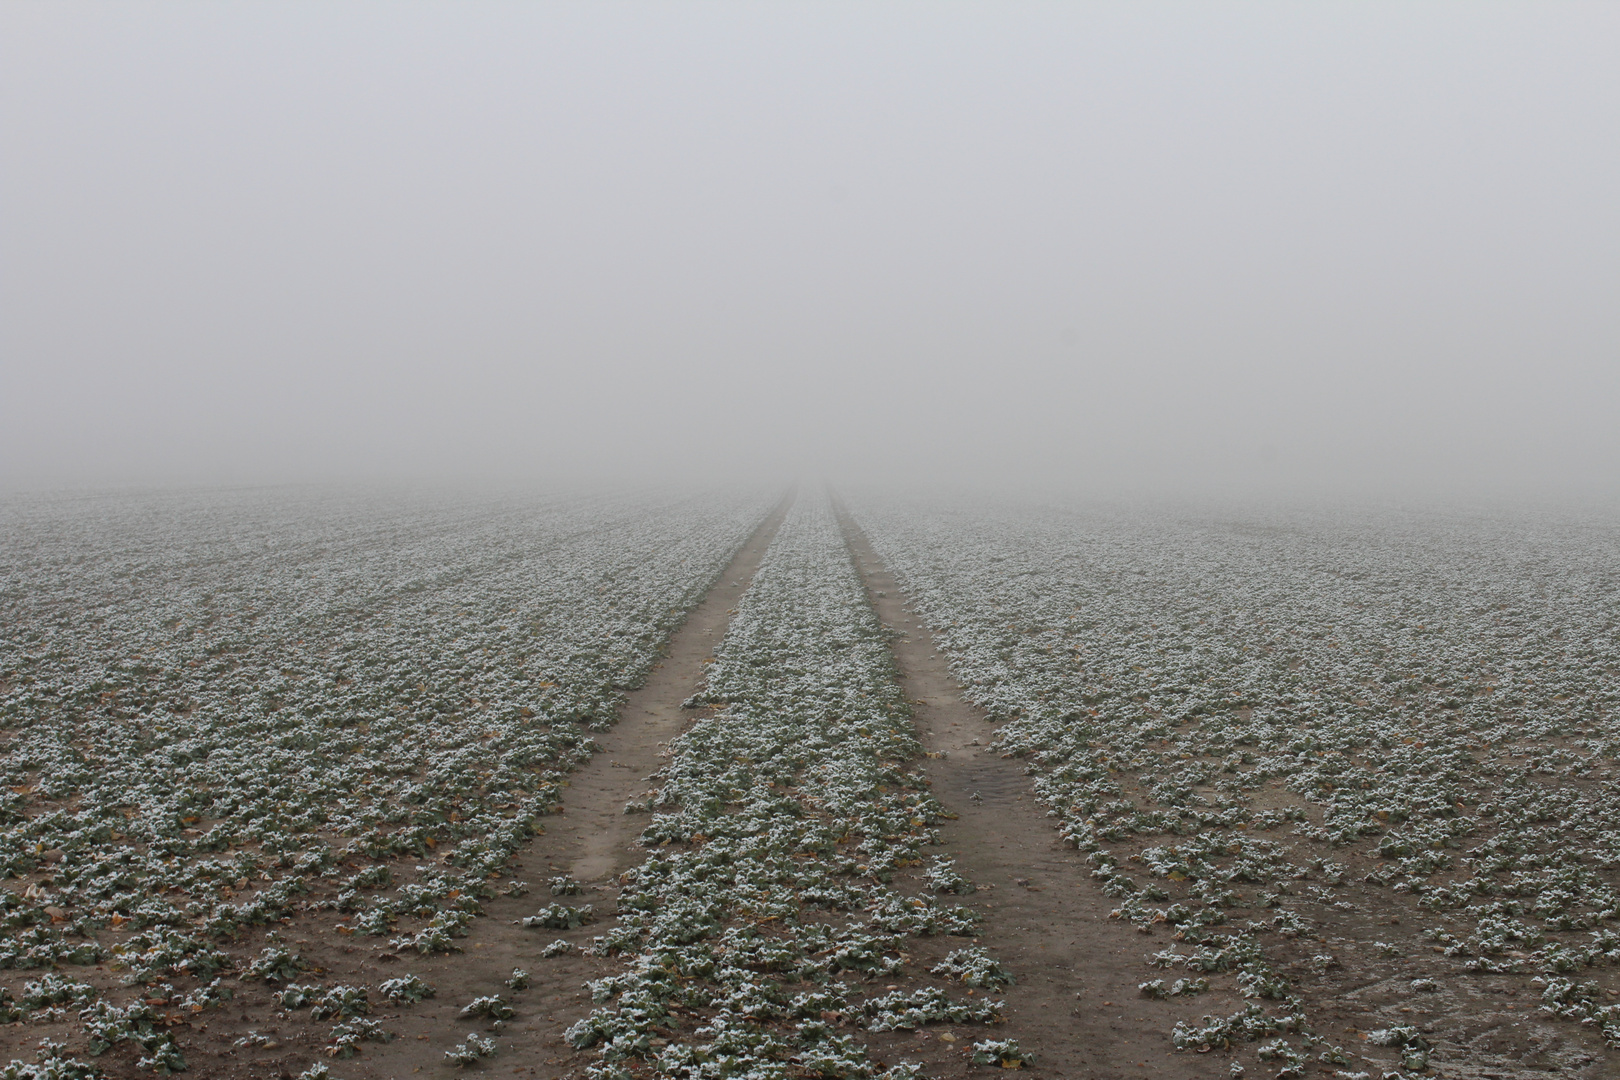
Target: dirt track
[593,841]
[1076,1002]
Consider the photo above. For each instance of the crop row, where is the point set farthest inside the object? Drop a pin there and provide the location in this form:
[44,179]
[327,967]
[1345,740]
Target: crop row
[208,705]
[1237,720]
[768,901]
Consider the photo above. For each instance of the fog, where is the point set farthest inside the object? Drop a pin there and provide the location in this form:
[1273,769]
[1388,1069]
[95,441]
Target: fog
[1110,246]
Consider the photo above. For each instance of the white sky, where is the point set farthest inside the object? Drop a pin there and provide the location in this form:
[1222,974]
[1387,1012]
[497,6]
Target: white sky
[1158,246]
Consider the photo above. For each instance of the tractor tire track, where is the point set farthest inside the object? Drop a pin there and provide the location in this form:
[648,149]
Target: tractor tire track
[592,840]
[1076,1004]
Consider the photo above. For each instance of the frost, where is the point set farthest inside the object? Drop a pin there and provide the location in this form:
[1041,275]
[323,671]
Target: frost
[470,1051]
[930,1005]
[975,967]
[347,1037]
[406,990]
[1001,1052]
[277,964]
[492,1006]
[559,917]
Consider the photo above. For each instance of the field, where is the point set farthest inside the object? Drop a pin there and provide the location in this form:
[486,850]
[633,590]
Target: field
[302,784]
[1358,770]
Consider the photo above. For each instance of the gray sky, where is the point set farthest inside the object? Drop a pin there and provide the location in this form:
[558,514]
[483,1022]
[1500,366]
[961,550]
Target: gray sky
[1106,245]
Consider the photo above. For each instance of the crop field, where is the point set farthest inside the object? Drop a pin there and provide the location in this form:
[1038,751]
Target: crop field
[1360,770]
[225,715]
[1340,788]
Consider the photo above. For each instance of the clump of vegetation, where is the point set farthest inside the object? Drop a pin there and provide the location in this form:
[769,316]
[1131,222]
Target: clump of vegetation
[560,917]
[346,1037]
[406,990]
[470,1051]
[1003,1053]
[975,967]
[492,1006]
[943,877]
[277,964]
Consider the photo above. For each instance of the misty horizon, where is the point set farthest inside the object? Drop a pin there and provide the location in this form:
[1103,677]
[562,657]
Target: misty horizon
[1256,249]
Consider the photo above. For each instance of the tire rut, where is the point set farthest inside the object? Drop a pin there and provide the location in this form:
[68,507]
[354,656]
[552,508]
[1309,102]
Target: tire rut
[591,840]
[1076,1004]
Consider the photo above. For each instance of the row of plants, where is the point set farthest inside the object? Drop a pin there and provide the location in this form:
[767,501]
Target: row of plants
[791,854]
[1254,726]
[214,709]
